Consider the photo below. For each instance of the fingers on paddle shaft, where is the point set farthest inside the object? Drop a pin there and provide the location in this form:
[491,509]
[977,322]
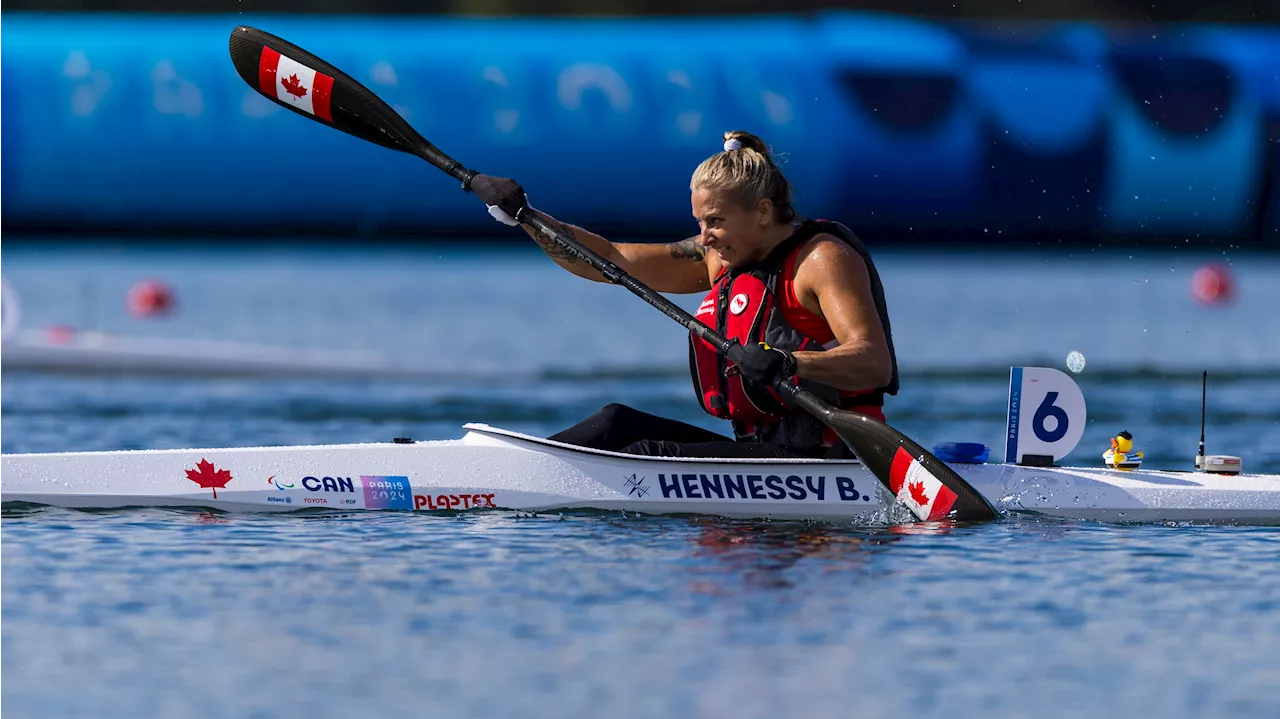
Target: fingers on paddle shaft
[294,78]
[502,192]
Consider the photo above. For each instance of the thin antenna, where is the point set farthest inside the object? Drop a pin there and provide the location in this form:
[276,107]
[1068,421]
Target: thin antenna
[1204,387]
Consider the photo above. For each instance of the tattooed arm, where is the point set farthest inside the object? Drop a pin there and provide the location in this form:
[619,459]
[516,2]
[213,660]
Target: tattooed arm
[687,250]
[678,267]
[563,256]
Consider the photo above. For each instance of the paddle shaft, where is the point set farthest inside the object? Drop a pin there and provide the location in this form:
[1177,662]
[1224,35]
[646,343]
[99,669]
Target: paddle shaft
[354,109]
[349,107]
[611,271]
[730,348]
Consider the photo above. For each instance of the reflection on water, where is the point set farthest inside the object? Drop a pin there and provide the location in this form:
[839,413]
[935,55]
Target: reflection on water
[201,614]
[760,555]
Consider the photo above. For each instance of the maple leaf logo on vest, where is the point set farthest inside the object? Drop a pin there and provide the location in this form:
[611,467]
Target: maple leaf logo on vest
[295,84]
[207,475]
[738,304]
[293,87]
[924,494]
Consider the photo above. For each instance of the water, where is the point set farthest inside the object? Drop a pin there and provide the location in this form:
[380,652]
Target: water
[173,613]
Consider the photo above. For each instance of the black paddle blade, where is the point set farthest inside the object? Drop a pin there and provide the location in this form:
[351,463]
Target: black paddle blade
[290,76]
[920,481]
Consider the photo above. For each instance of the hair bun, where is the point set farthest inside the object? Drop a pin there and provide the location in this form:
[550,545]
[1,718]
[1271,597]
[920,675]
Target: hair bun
[743,140]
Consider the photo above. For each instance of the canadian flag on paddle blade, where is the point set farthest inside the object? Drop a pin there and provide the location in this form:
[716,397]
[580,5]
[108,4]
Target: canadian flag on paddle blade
[294,83]
[926,496]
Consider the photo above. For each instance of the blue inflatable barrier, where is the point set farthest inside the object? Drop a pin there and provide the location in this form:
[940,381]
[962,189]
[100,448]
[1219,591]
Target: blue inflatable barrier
[137,121]
[143,121]
[910,134]
[1254,56]
[1043,97]
[11,139]
[899,127]
[1187,150]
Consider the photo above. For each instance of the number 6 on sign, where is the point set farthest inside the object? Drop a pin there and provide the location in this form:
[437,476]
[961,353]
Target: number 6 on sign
[1046,414]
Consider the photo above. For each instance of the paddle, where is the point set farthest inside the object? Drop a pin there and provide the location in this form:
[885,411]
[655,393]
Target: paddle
[302,82]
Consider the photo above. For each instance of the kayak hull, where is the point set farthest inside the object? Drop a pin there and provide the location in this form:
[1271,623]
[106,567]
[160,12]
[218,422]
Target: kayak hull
[491,468]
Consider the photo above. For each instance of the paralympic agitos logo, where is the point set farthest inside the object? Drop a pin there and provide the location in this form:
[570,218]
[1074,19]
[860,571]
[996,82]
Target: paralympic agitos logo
[328,484]
[315,484]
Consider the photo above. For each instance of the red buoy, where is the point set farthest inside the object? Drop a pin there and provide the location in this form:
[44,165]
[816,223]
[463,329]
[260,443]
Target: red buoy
[59,334]
[150,298]
[1212,284]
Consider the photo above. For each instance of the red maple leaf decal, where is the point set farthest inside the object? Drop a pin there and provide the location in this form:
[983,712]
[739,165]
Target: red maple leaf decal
[918,493]
[207,475]
[292,86]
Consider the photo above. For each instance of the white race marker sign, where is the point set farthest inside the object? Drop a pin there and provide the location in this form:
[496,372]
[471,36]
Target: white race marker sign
[1046,414]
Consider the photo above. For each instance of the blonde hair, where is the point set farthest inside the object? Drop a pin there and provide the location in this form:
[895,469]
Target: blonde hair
[747,175]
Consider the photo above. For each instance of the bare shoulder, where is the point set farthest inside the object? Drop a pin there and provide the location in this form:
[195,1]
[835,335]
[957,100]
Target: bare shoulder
[827,257]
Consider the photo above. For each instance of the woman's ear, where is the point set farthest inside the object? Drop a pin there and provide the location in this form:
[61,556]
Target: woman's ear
[764,212]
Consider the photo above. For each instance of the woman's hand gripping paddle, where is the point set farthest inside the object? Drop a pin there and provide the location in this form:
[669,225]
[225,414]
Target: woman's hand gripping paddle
[302,82]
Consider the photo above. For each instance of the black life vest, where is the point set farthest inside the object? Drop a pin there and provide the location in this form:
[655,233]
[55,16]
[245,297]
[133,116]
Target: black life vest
[742,305]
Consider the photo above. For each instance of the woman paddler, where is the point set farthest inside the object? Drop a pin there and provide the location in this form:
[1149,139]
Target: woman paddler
[802,296]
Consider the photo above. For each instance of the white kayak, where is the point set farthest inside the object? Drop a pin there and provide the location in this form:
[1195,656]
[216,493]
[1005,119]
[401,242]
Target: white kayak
[492,468]
[62,349]
[92,352]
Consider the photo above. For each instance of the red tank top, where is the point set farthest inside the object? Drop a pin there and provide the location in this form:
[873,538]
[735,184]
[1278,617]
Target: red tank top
[808,323]
[804,321]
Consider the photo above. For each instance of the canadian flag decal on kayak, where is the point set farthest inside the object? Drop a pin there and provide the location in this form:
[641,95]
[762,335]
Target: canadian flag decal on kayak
[296,84]
[926,496]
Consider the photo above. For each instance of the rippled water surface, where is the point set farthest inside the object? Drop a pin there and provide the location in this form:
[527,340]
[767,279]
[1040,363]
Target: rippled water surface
[176,613]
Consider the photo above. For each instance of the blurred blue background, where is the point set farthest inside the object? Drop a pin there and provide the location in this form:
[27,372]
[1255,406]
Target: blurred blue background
[960,131]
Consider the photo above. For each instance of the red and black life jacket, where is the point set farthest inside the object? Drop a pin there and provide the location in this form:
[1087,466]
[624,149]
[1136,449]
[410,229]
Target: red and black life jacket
[742,305]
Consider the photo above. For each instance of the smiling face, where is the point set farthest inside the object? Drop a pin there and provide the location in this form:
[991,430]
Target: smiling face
[739,235]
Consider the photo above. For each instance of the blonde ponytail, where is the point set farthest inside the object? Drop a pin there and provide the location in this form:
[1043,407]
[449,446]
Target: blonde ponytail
[745,171]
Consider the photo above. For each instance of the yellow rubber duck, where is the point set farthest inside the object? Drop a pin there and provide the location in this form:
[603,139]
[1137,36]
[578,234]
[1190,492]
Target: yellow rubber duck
[1121,455]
